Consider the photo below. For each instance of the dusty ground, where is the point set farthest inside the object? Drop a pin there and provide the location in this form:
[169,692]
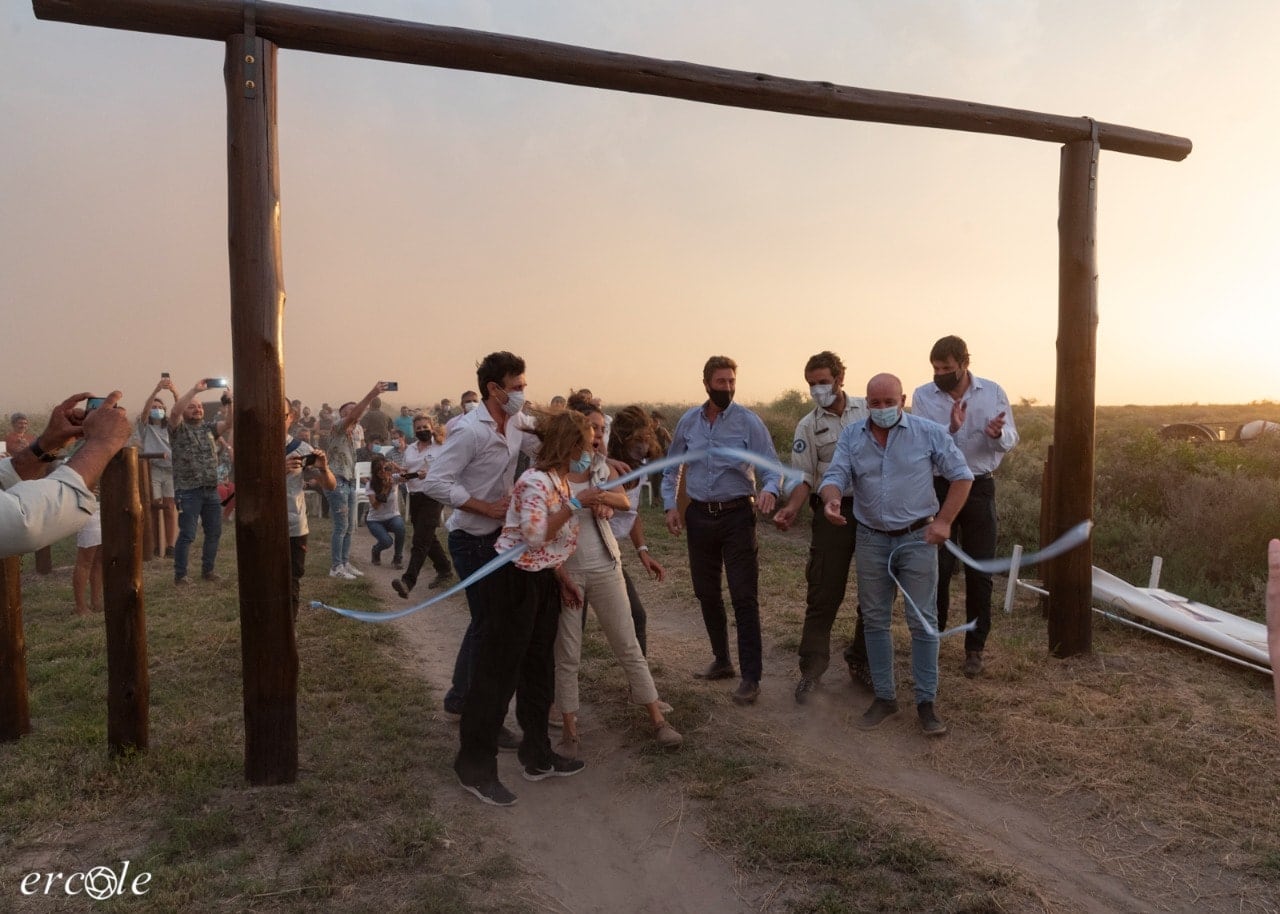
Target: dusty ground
[596,842]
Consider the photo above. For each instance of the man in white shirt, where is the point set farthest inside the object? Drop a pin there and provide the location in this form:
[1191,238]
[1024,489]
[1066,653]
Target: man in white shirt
[977,414]
[474,473]
[39,507]
[424,510]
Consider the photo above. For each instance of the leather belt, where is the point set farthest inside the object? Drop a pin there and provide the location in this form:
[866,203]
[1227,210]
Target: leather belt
[922,522]
[720,507]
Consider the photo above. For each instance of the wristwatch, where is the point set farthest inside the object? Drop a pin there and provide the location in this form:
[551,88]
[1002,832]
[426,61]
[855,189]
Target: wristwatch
[40,453]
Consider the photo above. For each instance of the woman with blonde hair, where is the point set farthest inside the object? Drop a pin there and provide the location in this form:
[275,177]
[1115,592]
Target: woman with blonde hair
[596,577]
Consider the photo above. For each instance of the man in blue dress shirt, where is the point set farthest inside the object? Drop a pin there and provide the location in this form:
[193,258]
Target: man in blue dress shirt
[721,519]
[891,458]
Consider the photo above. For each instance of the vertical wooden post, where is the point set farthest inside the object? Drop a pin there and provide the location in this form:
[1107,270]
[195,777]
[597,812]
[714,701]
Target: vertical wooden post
[1070,602]
[15,715]
[150,514]
[44,560]
[1047,527]
[128,682]
[268,649]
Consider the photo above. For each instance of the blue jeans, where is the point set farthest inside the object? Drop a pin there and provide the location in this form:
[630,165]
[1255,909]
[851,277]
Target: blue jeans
[917,568]
[342,508]
[387,532]
[469,553]
[196,506]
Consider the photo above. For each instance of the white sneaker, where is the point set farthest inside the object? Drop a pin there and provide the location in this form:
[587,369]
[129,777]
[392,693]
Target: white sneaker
[337,571]
[352,570]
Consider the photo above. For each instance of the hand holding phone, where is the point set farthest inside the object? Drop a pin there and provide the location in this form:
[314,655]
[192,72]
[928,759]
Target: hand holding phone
[215,382]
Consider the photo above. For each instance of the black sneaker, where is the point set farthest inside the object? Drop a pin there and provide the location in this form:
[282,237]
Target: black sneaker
[491,792]
[881,709]
[558,767]
[375,556]
[397,584]
[397,562]
[508,741]
[804,688]
[440,580]
[929,721]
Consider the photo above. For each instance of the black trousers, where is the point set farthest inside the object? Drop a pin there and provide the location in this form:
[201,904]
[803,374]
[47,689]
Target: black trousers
[827,575]
[974,531]
[515,656]
[727,540]
[424,513]
[298,567]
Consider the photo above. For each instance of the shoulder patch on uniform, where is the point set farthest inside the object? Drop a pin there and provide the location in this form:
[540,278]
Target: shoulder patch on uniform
[799,446]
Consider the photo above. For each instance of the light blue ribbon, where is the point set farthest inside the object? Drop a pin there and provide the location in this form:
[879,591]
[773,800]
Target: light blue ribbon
[1068,541]
[512,554]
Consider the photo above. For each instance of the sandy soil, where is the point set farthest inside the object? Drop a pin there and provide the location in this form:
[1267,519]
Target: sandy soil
[596,843]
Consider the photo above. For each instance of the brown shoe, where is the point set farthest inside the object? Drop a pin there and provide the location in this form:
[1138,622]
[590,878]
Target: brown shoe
[717,670]
[747,692]
[881,710]
[667,736]
[972,663]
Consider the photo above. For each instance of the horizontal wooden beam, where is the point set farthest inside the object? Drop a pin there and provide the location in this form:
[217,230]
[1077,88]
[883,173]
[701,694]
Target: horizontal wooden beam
[351,35]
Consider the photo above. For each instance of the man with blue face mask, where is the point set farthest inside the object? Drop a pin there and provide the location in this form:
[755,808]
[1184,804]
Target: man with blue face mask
[474,472]
[830,546]
[890,460]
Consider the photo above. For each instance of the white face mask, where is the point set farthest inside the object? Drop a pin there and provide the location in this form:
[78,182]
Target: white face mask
[470,405]
[515,402]
[823,394]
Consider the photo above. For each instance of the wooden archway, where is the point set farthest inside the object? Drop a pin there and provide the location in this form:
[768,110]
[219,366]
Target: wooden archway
[252,31]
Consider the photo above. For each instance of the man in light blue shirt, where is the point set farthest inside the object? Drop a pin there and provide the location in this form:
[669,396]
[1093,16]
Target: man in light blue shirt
[890,459]
[721,521]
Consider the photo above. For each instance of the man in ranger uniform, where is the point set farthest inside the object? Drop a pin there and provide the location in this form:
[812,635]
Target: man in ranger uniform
[831,546]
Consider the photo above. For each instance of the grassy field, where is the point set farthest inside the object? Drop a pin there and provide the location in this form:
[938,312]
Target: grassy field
[1172,755]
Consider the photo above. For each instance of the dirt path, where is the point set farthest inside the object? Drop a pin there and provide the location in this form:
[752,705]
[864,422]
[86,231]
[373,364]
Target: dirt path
[595,843]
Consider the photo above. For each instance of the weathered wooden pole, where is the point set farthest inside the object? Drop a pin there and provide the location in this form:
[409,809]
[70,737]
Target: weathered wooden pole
[267,646]
[128,681]
[15,713]
[1070,600]
[44,560]
[354,35]
[150,513]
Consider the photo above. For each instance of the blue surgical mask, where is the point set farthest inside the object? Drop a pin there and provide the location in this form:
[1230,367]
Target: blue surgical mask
[582,464]
[887,417]
[157,414]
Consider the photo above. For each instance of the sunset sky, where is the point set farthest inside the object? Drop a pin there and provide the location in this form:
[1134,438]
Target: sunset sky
[617,240]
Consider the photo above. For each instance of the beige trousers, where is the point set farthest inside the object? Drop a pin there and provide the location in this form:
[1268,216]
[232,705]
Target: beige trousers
[605,590]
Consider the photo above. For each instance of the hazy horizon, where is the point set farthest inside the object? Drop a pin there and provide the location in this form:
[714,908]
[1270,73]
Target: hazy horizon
[615,240]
